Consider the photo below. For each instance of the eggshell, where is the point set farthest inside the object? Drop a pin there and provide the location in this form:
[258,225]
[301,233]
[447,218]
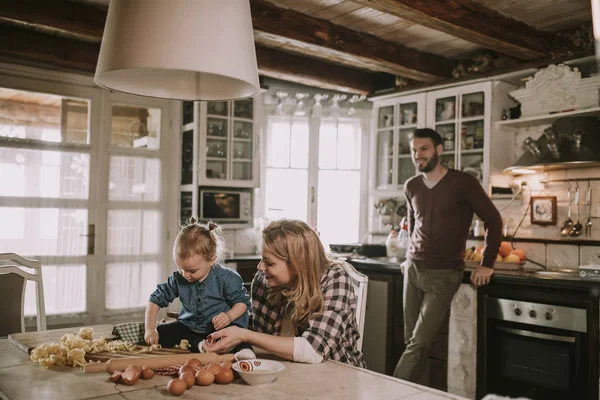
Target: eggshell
[193,362]
[204,377]
[224,377]
[115,376]
[226,364]
[185,368]
[214,368]
[189,378]
[176,386]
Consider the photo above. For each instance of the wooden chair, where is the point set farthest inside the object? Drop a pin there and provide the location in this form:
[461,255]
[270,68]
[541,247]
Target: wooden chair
[360,282]
[14,272]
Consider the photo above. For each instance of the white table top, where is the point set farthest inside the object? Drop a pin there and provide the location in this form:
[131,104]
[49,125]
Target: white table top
[21,378]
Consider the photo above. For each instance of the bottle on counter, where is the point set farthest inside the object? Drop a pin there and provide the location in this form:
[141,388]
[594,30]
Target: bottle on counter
[391,244]
[476,230]
[403,239]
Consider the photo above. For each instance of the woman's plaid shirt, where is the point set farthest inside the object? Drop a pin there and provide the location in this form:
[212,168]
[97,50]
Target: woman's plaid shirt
[333,333]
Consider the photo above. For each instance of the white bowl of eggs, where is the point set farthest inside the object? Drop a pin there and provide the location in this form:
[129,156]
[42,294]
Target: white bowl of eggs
[258,372]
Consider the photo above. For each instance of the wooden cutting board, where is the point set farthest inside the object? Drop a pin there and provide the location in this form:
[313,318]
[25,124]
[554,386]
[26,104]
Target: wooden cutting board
[29,340]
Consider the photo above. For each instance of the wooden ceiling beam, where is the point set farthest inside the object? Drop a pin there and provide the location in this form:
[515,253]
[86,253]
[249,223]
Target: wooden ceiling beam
[472,22]
[60,15]
[313,72]
[292,31]
[36,48]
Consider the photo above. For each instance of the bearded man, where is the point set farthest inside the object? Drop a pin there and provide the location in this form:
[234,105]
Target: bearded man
[440,203]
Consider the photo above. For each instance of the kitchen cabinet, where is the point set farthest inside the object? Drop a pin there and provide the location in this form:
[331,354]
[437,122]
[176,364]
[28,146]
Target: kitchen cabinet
[463,115]
[394,122]
[220,143]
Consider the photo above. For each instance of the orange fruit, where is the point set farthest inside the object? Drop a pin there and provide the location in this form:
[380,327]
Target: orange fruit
[505,249]
[520,253]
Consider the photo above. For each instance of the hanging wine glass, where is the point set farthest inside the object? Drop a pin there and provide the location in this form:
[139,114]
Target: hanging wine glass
[357,98]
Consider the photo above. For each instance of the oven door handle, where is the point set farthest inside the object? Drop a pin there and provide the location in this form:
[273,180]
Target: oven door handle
[538,335]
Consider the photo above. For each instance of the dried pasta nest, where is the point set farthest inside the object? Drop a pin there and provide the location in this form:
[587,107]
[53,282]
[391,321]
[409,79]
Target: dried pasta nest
[71,349]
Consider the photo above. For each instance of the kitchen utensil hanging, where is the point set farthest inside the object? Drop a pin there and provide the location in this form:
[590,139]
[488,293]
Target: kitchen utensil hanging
[588,202]
[566,228]
[577,229]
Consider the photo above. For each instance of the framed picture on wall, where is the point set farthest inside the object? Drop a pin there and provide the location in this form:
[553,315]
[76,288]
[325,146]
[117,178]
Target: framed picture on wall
[543,210]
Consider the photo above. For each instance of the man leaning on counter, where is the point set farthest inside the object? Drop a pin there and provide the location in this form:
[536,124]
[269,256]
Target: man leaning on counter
[440,203]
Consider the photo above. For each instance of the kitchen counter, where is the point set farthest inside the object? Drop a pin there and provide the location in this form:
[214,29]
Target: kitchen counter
[555,279]
[20,379]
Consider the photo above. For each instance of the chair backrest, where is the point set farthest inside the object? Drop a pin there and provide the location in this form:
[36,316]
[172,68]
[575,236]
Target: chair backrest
[16,270]
[360,282]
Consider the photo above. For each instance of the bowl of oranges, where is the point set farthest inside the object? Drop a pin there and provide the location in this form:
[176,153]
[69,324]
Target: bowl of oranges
[507,258]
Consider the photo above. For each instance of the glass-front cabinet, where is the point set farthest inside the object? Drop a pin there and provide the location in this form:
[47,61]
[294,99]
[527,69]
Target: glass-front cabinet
[395,122]
[462,116]
[226,134]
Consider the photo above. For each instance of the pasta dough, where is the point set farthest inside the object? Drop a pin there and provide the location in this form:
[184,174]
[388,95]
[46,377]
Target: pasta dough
[71,349]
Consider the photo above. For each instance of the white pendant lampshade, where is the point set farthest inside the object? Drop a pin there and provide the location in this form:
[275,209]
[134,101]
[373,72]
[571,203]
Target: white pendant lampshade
[179,49]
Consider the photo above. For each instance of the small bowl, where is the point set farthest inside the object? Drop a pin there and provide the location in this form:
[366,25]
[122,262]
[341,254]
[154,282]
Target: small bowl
[258,372]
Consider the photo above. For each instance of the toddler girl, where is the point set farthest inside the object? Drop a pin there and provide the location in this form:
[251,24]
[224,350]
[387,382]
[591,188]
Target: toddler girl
[212,297]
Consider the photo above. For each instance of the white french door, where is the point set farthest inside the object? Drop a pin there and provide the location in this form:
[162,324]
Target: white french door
[85,178]
[133,241]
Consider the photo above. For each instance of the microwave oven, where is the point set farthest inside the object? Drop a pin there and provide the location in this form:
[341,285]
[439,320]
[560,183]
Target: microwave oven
[225,207]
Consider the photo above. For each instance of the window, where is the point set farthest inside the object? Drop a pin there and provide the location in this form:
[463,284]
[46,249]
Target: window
[325,192]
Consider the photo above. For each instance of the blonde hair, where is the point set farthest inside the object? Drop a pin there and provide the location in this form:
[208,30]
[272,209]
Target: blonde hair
[195,239]
[299,245]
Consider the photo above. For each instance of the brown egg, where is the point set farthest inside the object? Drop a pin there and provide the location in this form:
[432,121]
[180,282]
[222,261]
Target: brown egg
[185,368]
[204,377]
[176,386]
[115,376]
[226,364]
[214,368]
[193,362]
[188,377]
[136,367]
[224,377]
[147,373]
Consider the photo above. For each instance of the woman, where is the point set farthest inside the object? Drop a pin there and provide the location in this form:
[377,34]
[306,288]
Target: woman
[303,303]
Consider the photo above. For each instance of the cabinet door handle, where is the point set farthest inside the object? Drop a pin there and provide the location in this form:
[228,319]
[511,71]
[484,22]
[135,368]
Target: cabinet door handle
[312,194]
[538,335]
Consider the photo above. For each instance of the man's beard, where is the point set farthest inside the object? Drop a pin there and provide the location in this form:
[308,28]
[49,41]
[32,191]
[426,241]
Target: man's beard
[431,164]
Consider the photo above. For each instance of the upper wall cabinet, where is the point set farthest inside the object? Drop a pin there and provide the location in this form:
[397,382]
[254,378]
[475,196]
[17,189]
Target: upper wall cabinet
[394,123]
[462,115]
[222,139]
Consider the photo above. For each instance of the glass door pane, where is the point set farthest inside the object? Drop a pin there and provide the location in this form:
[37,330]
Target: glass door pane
[217,108]
[385,158]
[386,117]
[473,105]
[242,150]
[243,108]
[448,133]
[408,113]
[445,109]
[406,170]
[135,227]
[44,193]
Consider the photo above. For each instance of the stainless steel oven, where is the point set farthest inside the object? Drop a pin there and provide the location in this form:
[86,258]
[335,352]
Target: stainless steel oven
[535,350]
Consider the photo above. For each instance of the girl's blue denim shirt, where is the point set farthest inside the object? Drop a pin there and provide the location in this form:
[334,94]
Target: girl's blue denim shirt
[201,301]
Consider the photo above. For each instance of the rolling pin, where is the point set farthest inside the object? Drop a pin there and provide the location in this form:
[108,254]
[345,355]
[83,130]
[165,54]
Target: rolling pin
[153,362]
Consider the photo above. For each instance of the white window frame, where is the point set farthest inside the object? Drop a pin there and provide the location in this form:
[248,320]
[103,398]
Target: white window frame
[314,123]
